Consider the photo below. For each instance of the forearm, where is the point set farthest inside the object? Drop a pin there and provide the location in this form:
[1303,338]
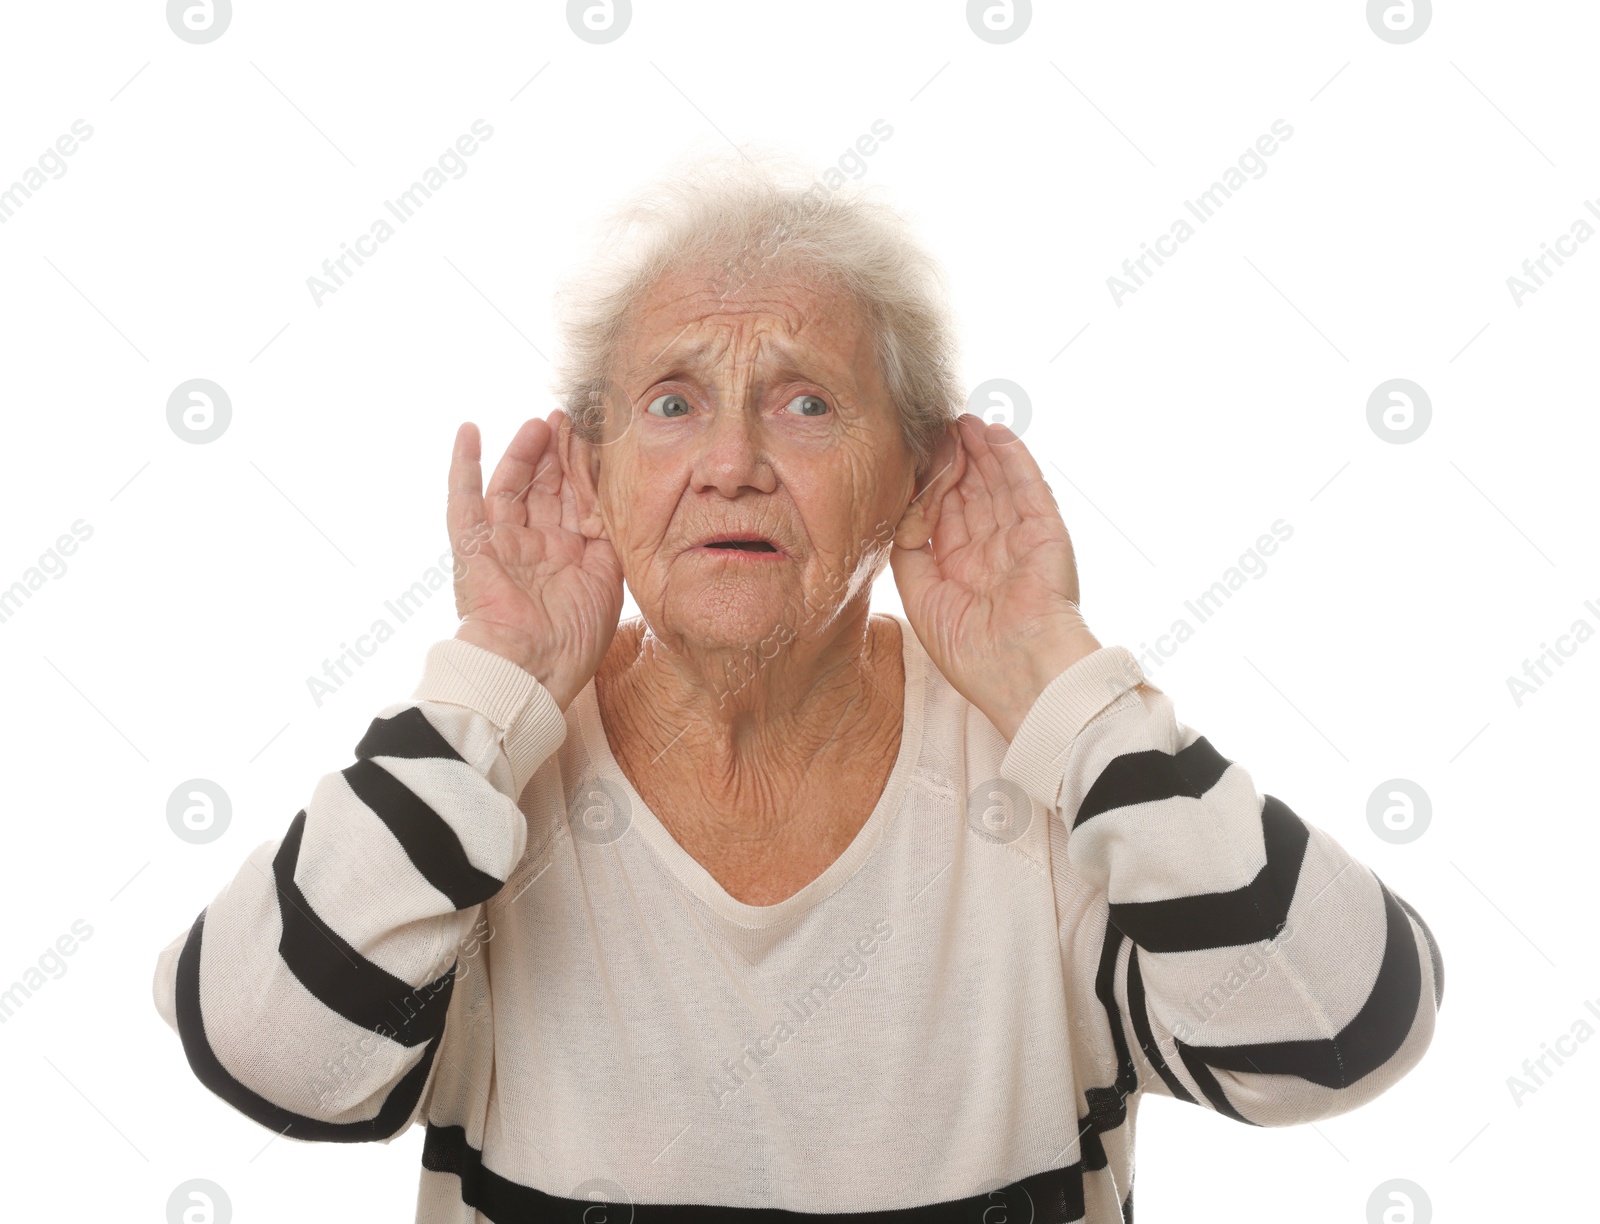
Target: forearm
[1272,976]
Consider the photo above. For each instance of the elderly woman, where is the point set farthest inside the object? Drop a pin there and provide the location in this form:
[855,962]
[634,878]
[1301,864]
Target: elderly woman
[760,905]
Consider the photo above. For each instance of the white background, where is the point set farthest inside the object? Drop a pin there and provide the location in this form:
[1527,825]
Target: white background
[1230,391]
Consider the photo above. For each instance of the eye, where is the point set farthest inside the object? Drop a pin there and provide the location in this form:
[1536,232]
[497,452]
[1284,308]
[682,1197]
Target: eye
[672,405]
[810,405]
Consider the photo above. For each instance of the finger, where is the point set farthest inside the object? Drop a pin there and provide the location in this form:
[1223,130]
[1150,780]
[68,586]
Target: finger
[516,470]
[974,486]
[545,497]
[568,502]
[549,474]
[986,456]
[1029,491]
[951,535]
[464,509]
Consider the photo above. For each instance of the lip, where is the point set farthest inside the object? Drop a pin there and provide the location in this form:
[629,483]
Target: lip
[706,547]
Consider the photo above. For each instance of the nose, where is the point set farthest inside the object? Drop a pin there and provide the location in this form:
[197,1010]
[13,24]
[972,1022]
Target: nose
[730,456]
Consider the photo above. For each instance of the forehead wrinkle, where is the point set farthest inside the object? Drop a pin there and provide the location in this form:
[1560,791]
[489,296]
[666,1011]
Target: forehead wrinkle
[763,325]
[767,347]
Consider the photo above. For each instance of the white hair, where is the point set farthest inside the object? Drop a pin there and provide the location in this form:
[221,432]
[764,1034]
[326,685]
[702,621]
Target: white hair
[744,217]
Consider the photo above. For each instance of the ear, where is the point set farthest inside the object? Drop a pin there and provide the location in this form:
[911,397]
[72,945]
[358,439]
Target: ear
[580,467]
[944,468]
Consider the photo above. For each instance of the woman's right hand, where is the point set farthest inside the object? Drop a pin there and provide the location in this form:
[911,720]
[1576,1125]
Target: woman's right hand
[529,585]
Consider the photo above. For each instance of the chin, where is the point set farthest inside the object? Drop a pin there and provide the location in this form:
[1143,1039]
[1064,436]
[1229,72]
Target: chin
[733,615]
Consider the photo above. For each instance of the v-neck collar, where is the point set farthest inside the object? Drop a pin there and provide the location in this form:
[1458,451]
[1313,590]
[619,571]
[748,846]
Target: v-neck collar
[701,882]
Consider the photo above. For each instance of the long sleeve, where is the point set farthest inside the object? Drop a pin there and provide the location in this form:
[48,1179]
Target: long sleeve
[1259,969]
[311,993]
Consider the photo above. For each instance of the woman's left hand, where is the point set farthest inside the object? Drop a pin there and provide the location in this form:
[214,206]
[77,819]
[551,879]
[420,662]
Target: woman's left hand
[987,575]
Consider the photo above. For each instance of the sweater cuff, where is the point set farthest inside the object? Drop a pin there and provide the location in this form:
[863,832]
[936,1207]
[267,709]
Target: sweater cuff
[1037,757]
[464,674]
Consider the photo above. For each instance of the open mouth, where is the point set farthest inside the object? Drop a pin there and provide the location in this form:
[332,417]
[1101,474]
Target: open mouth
[743,545]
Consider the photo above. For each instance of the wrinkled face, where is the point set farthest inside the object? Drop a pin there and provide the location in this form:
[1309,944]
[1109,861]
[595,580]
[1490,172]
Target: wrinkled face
[759,413]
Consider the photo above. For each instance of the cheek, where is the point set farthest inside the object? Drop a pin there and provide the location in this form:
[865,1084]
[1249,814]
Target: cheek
[842,505]
[639,499]
[873,491]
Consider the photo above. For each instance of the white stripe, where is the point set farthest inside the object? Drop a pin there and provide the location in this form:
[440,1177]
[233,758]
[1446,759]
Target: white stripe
[1183,846]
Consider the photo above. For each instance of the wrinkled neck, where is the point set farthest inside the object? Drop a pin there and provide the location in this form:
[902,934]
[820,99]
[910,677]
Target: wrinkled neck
[767,709]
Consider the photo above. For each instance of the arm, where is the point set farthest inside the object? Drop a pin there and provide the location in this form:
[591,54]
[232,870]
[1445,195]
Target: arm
[1269,976]
[1186,870]
[311,993]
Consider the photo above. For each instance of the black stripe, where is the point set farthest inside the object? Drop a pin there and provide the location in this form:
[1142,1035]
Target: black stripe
[1107,1106]
[1127,1206]
[340,978]
[390,1119]
[1105,987]
[1053,1197]
[1145,777]
[425,836]
[1210,1087]
[1361,1047]
[1245,915]
[408,734]
[1434,954]
[1139,1006]
[1091,1152]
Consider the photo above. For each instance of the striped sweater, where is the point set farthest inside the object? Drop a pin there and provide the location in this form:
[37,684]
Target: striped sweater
[478,926]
